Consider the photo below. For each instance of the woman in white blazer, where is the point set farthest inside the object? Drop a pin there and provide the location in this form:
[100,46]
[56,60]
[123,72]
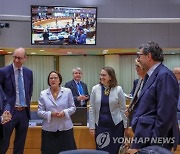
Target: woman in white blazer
[107,118]
[56,105]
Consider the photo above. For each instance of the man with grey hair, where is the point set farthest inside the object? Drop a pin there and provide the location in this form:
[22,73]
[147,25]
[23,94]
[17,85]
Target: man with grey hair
[78,88]
[154,112]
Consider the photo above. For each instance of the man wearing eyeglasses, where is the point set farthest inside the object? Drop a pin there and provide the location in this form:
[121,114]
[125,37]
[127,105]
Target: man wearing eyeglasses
[154,118]
[17,83]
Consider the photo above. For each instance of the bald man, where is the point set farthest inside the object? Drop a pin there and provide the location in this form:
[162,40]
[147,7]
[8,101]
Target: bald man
[17,84]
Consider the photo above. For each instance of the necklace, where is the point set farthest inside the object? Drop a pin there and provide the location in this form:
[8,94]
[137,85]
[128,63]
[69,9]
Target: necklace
[55,93]
[107,90]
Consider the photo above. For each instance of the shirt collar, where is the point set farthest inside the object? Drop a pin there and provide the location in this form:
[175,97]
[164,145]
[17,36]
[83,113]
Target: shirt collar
[151,70]
[77,81]
[15,68]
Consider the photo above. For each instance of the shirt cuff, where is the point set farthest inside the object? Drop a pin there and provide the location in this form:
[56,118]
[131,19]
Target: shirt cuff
[1,118]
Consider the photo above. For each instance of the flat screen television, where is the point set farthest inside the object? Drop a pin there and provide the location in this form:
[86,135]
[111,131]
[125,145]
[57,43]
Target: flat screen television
[62,25]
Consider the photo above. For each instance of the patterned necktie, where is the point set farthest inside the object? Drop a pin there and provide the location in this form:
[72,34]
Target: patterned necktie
[80,89]
[20,86]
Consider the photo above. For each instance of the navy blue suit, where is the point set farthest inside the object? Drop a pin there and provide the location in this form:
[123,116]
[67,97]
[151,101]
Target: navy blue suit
[2,102]
[154,114]
[20,119]
[134,86]
[72,85]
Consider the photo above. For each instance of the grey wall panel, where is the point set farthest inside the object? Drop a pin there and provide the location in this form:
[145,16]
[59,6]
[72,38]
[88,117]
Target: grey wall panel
[105,35]
[123,34]
[141,34]
[17,35]
[123,9]
[106,8]
[174,8]
[159,8]
[174,35]
[160,33]
[141,8]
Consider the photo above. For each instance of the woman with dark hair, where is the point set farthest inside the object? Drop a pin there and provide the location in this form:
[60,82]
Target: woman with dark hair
[107,118]
[55,106]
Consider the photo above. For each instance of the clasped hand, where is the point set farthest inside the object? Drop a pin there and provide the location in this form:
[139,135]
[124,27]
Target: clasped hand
[58,114]
[6,116]
[83,97]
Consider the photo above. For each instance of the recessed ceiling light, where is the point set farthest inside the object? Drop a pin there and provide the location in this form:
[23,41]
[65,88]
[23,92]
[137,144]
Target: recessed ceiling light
[9,52]
[1,50]
[33,53]
[105,51]
[69,53]
[41,50]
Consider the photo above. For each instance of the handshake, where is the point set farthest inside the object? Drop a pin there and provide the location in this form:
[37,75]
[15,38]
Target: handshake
[6,117]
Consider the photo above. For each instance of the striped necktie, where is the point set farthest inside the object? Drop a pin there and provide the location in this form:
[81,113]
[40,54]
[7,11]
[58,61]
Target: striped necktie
[80,89]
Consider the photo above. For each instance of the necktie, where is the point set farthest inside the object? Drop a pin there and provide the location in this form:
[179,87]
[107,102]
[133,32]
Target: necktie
[80,89]
[145,80]
[20,86]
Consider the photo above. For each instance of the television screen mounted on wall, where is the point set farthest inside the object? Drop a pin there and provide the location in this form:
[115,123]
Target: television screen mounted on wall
[60,25]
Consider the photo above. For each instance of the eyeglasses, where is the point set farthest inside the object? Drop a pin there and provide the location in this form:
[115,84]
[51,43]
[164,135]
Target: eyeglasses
[53,78]
[102,74]
[16,57]
[139,54]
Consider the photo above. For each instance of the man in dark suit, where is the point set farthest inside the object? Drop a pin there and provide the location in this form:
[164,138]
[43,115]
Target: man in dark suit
[5,116]
[141,73]
[17,83]
[154,118]
[78,88]
[176,72]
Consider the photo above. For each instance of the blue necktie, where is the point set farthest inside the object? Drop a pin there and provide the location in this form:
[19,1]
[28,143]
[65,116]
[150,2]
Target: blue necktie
[80,89]
[21,92]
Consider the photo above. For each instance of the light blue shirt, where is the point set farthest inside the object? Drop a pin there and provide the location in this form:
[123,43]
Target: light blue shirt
[47,104]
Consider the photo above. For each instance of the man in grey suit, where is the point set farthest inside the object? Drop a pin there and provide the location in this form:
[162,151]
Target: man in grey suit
[78,88]
[154,118]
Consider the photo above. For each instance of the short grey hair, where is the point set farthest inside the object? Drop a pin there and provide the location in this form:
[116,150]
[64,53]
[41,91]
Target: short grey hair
[77,69]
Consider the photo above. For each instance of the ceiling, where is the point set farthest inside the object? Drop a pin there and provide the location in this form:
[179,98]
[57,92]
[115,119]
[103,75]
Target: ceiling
[83,51]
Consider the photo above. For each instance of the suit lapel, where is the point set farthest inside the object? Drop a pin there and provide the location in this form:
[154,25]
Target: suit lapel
[75,87]
[51,97]
[135,93]
[150,80]
[11,70]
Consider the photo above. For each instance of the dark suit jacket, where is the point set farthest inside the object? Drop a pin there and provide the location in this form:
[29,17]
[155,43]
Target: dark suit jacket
[72,85]
[7,80]
[154,114]
[2,103]
[134,86]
